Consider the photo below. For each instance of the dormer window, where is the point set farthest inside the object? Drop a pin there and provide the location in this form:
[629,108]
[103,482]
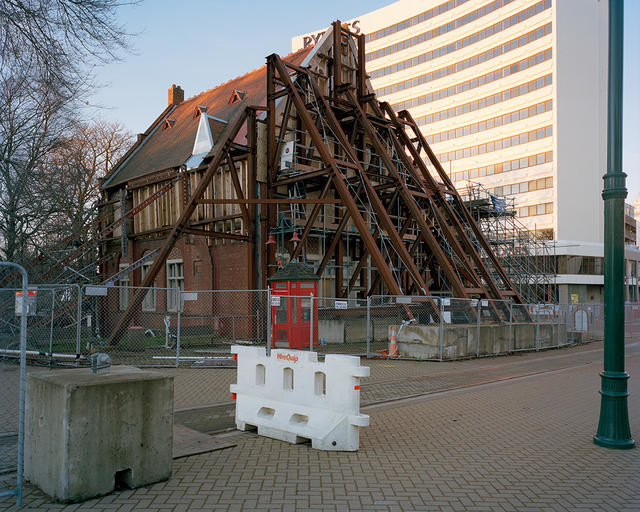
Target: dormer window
[236,96]
[168,123]
[200,109]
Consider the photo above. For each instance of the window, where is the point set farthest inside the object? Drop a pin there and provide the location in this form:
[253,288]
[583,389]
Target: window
[175,284]
[149,301]
[123,291]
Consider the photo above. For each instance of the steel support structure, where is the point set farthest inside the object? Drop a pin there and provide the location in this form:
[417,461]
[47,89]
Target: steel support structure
[415,234]
[363,185]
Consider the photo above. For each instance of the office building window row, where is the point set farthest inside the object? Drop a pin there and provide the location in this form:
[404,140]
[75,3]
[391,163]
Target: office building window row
[487,78]
[523,187]
[438,31]
[499,168]
[536,209]
[474,105]
[496,145]
[415,20]
[494,122]
[475,60]
[459,44]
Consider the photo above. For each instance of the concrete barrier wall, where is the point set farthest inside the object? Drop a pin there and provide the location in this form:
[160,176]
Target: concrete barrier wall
[461,341]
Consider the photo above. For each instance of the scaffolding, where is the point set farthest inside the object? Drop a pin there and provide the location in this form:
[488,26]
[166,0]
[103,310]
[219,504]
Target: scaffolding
[527,257]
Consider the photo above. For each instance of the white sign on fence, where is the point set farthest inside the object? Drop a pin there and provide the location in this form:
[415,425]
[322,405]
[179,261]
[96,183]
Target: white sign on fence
[275,300]
[189,296]
[28,304]
[341,304]
[403,300]
[99,291]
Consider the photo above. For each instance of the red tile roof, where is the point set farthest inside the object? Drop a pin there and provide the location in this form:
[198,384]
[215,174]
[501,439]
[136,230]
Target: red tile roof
[168,147]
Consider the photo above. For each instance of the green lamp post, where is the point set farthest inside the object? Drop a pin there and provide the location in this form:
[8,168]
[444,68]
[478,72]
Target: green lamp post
[613,429]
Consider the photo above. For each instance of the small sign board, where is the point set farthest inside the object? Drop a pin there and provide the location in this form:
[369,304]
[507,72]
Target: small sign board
[340,304]
[403,300]
[275,300]
[27,304]
[485,303]
[189,296]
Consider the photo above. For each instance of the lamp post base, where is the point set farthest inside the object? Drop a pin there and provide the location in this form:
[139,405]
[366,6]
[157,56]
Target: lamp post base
[613,428]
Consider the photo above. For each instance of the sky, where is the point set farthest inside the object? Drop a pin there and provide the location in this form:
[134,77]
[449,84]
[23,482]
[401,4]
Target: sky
[199,44]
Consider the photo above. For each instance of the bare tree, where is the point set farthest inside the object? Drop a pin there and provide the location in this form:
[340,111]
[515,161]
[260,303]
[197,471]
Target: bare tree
[47,51]
[61,38]
[75,168]
[32,121]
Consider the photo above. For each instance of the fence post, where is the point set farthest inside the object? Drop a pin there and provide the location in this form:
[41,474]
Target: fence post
[537,319]
[53,302]
[233,328]
[311,324]
[23,371]
[268,321]
[558,324]
[79,326]
[441,328]
[478,315]
[178,331]
[510,339]
[368,329]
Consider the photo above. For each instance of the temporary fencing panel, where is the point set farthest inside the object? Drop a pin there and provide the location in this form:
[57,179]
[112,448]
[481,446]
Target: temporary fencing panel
[17,307]
[291,396]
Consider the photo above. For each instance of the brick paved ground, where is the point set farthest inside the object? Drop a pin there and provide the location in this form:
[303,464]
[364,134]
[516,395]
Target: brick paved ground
[197,387]
[522,445]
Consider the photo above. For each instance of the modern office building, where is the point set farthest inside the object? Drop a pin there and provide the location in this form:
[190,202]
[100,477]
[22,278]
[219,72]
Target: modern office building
[510,94]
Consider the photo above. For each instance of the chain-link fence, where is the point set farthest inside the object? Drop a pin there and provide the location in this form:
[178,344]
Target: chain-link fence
[17,311]
[179,331]
[171,327]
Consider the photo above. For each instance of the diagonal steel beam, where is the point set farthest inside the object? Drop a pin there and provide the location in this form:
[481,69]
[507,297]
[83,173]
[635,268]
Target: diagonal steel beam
[311,220]
[372,195]
[510,288]
[337,176]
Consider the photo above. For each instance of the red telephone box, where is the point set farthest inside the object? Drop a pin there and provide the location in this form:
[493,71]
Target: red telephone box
[291,291]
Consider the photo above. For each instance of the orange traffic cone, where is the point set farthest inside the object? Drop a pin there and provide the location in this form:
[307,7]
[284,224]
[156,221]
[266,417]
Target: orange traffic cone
[393,344]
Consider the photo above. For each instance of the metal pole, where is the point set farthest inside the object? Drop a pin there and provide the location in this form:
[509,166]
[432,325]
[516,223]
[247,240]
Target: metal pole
[268,321]
[311,324]
[79,326]
[479,312]
[53,301]
[613,427]
[441,328]
[368,326]
[178,333]
[510,340]
[558,325]
[23,371]
[537,319]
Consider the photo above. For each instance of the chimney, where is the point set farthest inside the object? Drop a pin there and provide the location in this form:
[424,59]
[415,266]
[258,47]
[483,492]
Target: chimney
[176,95]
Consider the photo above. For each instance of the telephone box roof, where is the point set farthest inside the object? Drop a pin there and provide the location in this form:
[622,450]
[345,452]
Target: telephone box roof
[295,271]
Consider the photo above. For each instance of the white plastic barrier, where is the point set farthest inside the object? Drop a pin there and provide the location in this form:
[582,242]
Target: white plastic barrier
[292,397]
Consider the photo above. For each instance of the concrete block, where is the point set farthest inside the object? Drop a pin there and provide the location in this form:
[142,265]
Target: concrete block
[87,433]
[331,330]
[469,340]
